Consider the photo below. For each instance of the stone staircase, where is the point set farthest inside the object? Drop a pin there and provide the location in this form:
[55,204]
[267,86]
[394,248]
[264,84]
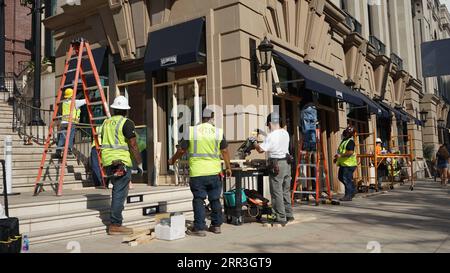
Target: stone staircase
[83,210]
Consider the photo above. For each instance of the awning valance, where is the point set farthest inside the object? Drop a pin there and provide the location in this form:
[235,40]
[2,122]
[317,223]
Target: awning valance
[175,45]
[321,82]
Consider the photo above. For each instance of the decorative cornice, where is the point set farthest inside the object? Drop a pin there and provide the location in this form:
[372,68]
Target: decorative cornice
[71,14]
[336,18]
[353,39]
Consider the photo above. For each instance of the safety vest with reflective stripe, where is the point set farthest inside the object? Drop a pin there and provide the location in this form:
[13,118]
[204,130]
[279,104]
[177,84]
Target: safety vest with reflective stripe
[66,112]
[204,150]
[114,143]
[346,161]
[396,171]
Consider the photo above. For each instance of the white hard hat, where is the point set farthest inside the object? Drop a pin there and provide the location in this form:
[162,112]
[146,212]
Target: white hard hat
[120,103]
[379,140]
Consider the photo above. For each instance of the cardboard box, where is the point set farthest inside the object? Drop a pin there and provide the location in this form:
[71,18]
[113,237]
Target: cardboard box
[172,229]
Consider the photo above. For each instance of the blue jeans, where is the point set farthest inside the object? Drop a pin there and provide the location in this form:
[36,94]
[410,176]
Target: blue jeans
[96,173]
[345,175]
[119,194]
[62,136]
[202,187]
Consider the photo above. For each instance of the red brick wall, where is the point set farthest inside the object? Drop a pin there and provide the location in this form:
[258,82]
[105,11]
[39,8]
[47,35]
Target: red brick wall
[17,29]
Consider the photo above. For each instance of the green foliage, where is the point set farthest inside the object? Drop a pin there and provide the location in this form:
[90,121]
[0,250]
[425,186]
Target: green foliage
[428,152]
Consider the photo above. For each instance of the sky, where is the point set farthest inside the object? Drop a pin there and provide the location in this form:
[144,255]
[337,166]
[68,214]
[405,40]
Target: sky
[447,2]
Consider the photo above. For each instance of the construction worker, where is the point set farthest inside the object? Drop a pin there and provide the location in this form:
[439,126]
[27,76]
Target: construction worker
[346,161]
[118,145]
[66,104]
[276,145]
[205,145]
[393,168]
[381,166]
[96,173]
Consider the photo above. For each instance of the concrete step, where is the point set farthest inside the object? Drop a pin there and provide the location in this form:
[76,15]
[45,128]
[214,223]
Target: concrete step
[28,205]
[49,217]
[69,184]
[81,231]
[49,170]
[31,177]
[99,216]
[28,163]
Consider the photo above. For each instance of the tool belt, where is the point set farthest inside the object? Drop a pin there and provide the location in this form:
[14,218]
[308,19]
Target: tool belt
[274,168]
[118,168]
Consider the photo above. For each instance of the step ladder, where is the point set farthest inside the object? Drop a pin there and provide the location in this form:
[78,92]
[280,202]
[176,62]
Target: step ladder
[79,50]
[311,166]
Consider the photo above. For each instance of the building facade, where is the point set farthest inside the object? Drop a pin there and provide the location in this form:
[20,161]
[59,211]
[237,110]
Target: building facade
[370,46]
[17,31]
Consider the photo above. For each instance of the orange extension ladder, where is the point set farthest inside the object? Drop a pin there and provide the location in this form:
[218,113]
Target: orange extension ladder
[79,50]
[306,167]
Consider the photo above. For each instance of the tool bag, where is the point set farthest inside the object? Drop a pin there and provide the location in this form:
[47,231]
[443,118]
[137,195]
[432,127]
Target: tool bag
[229,198]
[256,198]
[10,238]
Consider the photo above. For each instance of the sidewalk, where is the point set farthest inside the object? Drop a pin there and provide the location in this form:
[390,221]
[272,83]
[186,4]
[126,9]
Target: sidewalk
[396,221]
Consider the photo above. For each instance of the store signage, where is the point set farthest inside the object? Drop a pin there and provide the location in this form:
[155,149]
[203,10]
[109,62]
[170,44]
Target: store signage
[339,94]
[166,61]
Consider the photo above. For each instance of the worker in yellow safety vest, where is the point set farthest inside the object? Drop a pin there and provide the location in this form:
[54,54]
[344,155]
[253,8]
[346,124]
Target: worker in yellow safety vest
[66,105]
[393,168]
[205,144]
[118,145]
[346,161]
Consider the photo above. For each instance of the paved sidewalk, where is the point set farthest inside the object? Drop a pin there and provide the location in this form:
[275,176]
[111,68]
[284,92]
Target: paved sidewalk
[395,221]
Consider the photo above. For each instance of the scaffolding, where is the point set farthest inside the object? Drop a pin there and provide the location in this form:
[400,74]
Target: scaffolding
[400,150]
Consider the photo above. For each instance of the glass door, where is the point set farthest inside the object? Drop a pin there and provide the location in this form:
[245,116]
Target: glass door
[178,106]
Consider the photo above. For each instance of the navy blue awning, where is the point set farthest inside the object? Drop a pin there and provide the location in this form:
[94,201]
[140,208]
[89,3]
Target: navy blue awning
[99,57]
[398,115]
[175,45]
[413,118]
[373,106]
[321,82]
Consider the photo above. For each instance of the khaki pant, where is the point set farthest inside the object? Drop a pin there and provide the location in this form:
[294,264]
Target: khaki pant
[280,190]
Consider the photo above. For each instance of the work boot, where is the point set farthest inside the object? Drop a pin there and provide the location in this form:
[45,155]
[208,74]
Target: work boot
[290,219]
[115,229]
[215,229]
[195,232]
[346,198]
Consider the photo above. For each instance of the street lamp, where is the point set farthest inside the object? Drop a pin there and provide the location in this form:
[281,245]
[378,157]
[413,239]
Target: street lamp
[423,116]
[2,46]
[441,123]
[265,53]
[36,6]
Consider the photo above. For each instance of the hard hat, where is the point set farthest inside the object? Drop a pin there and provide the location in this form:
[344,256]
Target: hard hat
[208,113]
[120,103]
[68,93]
[379,140]
[273,117]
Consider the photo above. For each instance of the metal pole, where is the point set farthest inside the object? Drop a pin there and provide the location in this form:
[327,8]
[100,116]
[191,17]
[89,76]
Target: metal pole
[2,46]
[36,119]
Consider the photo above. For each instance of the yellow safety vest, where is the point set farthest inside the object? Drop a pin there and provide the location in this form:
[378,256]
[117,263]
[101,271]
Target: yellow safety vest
[114,143]
[394,164]
[66,112]
[204,150]
[346,161]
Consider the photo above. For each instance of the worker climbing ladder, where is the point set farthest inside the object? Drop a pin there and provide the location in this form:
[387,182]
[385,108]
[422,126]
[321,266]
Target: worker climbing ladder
[312,166]
[78,57]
